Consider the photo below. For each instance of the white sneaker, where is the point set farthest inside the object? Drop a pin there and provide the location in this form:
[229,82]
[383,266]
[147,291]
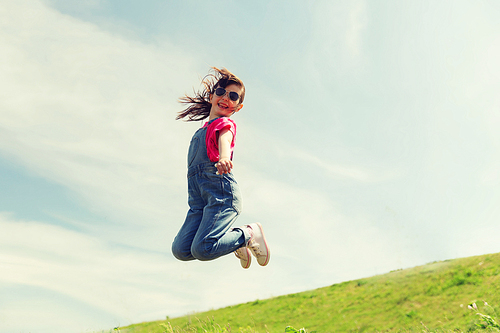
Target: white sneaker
[257,244]
[243,253]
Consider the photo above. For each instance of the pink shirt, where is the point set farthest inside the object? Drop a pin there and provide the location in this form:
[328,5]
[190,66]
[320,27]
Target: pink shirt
[212,138]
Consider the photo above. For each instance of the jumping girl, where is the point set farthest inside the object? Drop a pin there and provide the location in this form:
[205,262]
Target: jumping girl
[214,196]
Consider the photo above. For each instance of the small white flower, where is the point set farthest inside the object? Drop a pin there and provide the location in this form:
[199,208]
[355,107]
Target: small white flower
[472,306]
[486,304]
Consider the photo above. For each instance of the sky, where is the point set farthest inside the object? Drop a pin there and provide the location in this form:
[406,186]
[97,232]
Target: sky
[368,142]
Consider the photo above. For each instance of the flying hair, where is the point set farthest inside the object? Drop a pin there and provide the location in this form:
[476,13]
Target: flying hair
[199,105]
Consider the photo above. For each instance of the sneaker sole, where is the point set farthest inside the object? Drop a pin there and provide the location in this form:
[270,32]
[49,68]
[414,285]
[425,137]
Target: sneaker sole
[249,261]
[265,244]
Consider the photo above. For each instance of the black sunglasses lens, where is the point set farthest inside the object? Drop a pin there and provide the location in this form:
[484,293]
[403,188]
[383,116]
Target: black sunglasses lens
[233,96]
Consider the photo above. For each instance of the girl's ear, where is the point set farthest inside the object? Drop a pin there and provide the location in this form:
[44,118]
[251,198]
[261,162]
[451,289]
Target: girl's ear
[238,108]
[210,97]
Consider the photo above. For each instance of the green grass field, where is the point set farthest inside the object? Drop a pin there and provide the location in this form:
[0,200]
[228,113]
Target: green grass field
[430,298]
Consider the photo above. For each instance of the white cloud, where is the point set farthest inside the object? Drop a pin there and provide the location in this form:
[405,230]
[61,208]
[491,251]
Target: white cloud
[338,36]
[95,276]
[355,28]
[331,169]
[89,109]
[79,6]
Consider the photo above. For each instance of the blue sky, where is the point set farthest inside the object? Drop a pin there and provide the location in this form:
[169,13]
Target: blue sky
[368,142]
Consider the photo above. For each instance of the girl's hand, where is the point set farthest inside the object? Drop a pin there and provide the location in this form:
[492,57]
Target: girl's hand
[224,166]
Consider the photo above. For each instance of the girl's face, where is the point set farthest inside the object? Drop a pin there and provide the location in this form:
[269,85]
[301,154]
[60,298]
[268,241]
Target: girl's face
[222,102]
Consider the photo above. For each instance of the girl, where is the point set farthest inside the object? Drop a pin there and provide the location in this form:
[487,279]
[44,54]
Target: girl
[214,197]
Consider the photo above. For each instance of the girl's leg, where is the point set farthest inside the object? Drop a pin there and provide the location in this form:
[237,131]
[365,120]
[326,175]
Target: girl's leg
[215,237]
[181,247]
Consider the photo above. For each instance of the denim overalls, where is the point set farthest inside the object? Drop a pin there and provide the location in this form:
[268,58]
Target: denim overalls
[214,204]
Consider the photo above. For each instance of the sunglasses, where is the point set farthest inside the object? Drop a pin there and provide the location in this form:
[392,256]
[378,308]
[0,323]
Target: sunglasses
[232,95]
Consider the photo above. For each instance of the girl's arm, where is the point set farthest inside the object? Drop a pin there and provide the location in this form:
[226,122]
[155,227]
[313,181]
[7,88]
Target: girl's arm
[225,164]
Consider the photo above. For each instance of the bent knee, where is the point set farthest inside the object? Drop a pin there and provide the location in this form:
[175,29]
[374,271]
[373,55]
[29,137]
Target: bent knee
[203,252]
[183,255]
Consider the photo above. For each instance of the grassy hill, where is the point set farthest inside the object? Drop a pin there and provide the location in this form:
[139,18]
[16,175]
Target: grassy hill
[429,298]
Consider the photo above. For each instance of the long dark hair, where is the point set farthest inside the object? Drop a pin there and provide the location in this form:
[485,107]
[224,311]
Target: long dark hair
[199,105]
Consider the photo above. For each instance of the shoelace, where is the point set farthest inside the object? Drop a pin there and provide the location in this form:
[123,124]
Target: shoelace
[256,248]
